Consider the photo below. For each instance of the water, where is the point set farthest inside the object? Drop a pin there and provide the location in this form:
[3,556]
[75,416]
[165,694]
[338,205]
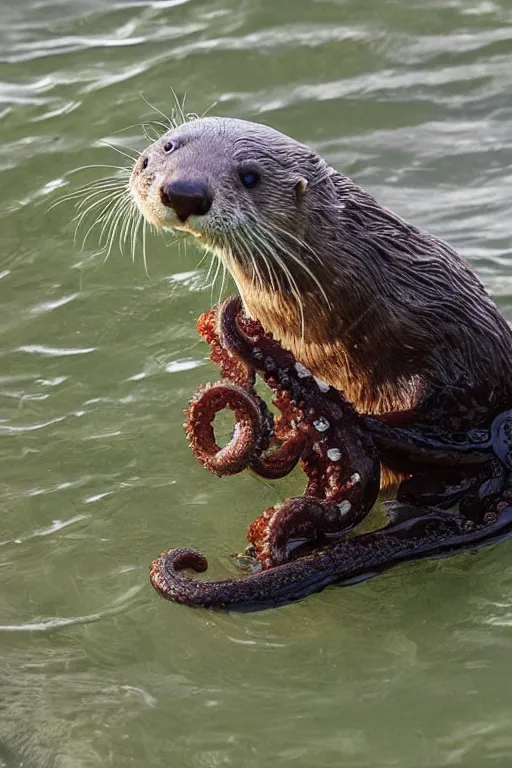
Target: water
[412,98]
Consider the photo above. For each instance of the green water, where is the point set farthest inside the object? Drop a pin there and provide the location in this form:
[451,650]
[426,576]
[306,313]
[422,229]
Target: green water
[412,98]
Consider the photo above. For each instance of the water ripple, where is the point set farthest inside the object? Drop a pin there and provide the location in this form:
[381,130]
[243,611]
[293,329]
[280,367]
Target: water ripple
[412,100]
[46,351]
[56,525]
[48,306]
[9,428]
[50,624]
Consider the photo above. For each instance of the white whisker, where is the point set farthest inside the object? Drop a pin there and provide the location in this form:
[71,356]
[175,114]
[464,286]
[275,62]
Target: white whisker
[97,186]
[123,168]
[215,277]
[223,282]
[144,247]
[250,235]
[109,200]
[99,195]
[208,109]
[266,246]
[111,222]
[179,107]
[168,120]
[134,232]
[121,151]
[299,262]
[130,213]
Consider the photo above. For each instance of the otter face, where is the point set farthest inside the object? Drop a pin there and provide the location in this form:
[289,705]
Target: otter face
[226,182]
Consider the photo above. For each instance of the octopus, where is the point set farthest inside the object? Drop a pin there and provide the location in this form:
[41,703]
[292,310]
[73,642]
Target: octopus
[456,494]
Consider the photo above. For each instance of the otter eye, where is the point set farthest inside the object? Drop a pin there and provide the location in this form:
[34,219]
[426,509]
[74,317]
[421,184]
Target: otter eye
[250,179]
[145,163]
[168,146]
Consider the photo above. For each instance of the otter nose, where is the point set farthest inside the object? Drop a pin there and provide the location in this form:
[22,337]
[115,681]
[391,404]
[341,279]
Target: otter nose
[186,198]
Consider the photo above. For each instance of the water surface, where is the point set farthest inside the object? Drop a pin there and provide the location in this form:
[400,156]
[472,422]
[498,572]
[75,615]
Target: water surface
[412,98]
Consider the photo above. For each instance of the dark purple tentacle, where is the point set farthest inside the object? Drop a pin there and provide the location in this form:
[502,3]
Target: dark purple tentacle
[501,436]
[440,489]
[425,445]
[347,561]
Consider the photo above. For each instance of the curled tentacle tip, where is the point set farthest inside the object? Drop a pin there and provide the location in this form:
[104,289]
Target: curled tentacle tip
[179,558]
[165,567]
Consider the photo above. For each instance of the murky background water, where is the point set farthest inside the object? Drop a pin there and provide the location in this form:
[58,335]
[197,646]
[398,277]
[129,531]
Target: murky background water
[412,98]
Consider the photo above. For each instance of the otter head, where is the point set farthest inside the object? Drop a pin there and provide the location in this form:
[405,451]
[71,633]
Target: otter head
[241,188]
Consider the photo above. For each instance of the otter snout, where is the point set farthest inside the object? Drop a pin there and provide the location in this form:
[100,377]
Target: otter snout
[186,198]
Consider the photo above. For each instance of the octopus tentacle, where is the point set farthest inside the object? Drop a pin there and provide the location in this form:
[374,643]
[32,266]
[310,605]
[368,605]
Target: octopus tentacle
[246,340]
[342,466]
[355,559]
[288,443]
[251,434]
[307,517]
[424,445]
[278,463]
[285,450]
[441,490]
[501,438]
[232,368]
[335,501]
[446,447]
[302,517]
[492,488]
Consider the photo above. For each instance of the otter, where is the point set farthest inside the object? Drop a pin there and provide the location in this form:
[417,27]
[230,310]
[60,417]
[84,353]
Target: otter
[371,304]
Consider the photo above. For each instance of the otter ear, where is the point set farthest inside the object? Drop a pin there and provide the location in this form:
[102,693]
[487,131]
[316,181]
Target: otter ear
[300,190]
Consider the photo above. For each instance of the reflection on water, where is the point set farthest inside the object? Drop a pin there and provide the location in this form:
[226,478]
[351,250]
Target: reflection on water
[412,99]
